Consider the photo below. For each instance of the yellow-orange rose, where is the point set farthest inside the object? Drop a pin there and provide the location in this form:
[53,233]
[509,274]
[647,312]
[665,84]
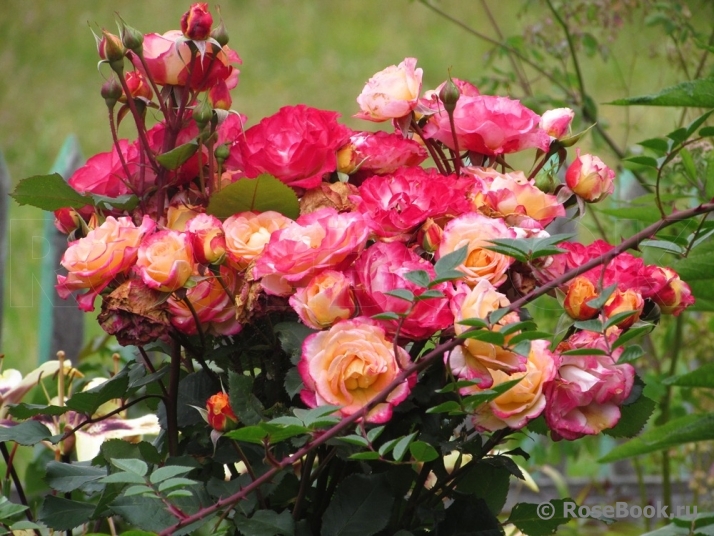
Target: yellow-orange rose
[326,299]
[93,261]
[247,234]
[165,260]
[525,400]
[348,365]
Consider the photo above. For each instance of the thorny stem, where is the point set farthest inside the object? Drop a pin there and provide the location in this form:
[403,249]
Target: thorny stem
[249,468]
[427,360]
[429,147]
[18,483]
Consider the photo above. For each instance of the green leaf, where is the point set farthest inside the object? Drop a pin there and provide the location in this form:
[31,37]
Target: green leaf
[482,397]
[176,482]
[595,325]
[388,446]
[688,164]
[123,477]
[168,471]
[498,314]
[585,351]
[529,336]
[422,451]
[446,407]
[354,439]
[374,433]
[48,192]
[66,477]
[633,418]
[696,93]
[642,161]
[418,277]
[369,455]
[702,376]
[249,434]
[25,433]
[451,261]
[633,332]
[291,336]
[245,404]
[361,506]
[141,489]
[492,337]
[631,353]
[131,465]
[278,433]
[177,156]
[63,514]
[9,509]
[386,316]
[488,482]
[24,411]
[687,429]
[179,493]
[430,295]
[266,523]
[696,270]
[658,145]
[147,513]
[526,325]
[400,449]
[261,194]
[88,402]
[402,294]
[528,517]
[123,202]
[448,275]
[319,416]
[474,322]
[666,245]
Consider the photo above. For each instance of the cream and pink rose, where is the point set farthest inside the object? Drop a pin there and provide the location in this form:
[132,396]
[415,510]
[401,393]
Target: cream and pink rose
[589,178]
[473,231]
[556,123]
[475,360]
[247,233]
[350,364]
[391,93]
[165,260]
[93,261]
[378,153]
[324,239]
[207,239]
[327,298]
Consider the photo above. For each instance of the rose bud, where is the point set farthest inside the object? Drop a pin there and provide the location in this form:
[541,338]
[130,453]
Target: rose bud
[207,239]
[138,88]
[112,92]
[589,178]
[220,414]
[580,291]
[165,260]
[326,299]
[429,235]
[110,47]
[131,38]
[675,295]
[219,97]
[196,22]
[449,95]
[557,122]
[620,302]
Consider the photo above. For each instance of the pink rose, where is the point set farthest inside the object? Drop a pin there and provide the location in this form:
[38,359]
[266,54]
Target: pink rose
[171,62]
[324,239]
[349,365]
[298,145]
[103,174]
[488,125]
[512,193]
[667,290]
[473,230]
[378,153]
[214,307]
[327,298]
[381,269]
[247,233]
[391,93]
[165,260]
[585,396]
[556,123]
[523,402]
[93,261]
[207,239]
[589,178]
[395,205]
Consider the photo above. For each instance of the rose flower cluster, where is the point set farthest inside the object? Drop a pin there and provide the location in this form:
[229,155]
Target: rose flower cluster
[375,213]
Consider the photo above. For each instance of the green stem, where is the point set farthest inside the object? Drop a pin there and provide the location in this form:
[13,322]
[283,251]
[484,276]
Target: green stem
[18,483]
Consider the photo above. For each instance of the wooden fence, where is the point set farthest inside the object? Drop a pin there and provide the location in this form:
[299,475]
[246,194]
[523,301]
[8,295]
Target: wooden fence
[61,323]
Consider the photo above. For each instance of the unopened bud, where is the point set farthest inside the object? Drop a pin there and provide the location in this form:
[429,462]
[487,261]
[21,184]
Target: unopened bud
[131,38]
[196,22]
[111,47]
[219,96]
[138,88]
[220,34]
[202,113]
[580,291]
[222,152]
[111,92]
[449,95]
